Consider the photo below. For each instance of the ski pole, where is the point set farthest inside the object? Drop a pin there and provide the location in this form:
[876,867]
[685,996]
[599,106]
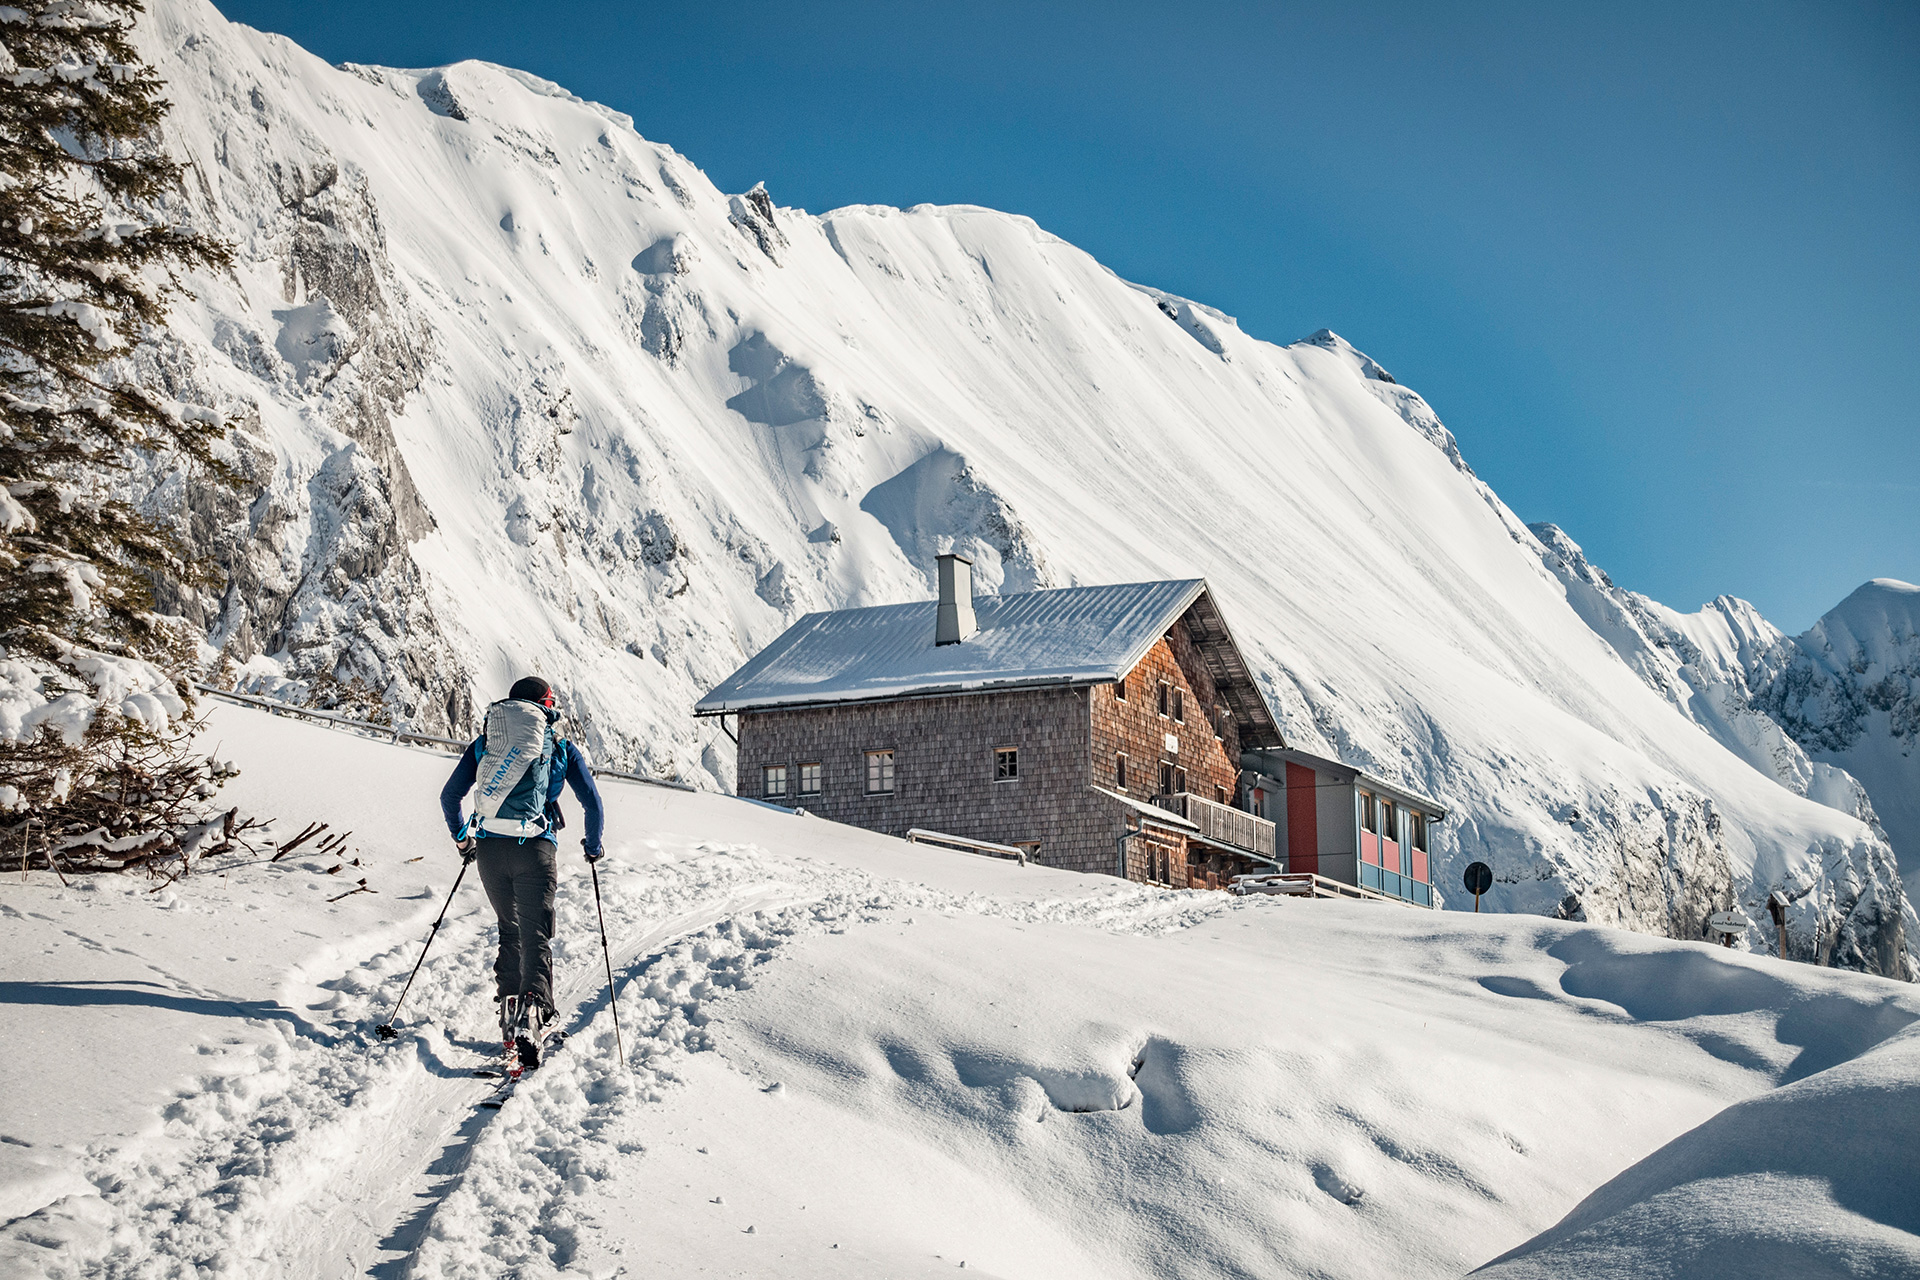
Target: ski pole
[613,997]
[385,1030]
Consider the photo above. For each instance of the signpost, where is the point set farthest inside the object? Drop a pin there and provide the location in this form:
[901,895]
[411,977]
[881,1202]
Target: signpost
[1479,879]
[1777,904]
[1728,923]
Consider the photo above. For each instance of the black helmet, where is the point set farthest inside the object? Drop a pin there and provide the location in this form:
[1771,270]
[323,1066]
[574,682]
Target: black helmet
[532,689]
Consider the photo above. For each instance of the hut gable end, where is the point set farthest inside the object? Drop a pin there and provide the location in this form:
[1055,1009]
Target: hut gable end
[1205,744]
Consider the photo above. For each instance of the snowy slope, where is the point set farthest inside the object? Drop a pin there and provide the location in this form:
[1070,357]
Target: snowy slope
[854,1057]
[1832,714]
[1815,1178]
[520,388]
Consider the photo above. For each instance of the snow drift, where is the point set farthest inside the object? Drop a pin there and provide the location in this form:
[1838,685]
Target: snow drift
[848,1056]
[518,388]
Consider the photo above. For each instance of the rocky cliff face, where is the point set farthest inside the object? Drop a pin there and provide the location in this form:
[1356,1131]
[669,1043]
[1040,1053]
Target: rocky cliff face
[1848,692]
[1799,710]
[327,346]
[517,389]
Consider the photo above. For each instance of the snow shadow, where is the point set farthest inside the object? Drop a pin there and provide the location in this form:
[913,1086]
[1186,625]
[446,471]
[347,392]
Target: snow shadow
[440,1177]
[1151,1077]
[782,393]
[1679,986]
[1159,1073]
[1073,1089]
[1502,984]
[133,992]
[1804,1180]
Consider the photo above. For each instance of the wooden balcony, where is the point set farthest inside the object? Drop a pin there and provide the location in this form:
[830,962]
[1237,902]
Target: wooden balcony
[1222,823]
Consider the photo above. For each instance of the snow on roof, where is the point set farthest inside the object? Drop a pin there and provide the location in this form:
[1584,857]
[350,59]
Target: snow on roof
[1150,812]
[1068,636]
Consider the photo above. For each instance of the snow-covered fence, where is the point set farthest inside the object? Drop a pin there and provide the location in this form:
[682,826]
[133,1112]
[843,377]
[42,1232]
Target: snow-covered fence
[920,835]
[395,734]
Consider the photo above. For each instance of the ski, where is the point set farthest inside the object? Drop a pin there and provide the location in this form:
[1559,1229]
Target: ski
[511,1075]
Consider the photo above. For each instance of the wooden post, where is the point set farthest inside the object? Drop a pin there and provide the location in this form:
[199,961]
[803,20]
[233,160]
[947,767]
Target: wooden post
[1777,904]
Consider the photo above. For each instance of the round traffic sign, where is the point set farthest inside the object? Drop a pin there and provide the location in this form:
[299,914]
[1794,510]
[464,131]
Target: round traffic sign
[1479,878]
[1728,922]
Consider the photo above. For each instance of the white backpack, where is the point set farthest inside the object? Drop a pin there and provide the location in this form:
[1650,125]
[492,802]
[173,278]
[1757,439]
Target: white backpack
[516,760]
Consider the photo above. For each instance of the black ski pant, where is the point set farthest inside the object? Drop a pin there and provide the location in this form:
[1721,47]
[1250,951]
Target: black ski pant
[519,877]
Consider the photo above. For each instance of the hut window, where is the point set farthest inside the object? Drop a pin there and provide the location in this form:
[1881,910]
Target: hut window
[809,779]
[1166,779]
[1162,697]
[773,781]
[1120,689]
[1386,820]
[880,773]
[1120,771]
[1006,764]
[1180,705]
[1367,820]
[1417,833]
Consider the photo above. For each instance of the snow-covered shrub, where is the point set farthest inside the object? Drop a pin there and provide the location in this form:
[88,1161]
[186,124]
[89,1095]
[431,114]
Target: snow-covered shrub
[98,774]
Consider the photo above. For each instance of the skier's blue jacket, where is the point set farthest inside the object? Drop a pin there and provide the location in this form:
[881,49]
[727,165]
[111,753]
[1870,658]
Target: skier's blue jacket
[568,766]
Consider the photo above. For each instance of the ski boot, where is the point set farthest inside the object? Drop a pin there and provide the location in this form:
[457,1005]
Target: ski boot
[528,1040]
[510,1056]
[526,1036]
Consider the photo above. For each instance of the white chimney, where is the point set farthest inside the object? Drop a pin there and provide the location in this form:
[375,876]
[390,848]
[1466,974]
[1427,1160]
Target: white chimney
[956,600]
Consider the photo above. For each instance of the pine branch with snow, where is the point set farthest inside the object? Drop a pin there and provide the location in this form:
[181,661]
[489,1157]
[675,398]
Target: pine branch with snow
[92,244]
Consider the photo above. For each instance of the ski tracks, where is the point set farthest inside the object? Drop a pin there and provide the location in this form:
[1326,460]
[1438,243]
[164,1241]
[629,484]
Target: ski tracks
[517,1209]
[318,1152]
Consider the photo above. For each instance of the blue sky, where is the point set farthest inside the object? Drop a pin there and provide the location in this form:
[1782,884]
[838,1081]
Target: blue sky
[1658,266]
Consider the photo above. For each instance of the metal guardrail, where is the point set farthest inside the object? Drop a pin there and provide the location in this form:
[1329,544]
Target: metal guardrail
[1222,823]
[393,734]
[1305,884]
[920,835]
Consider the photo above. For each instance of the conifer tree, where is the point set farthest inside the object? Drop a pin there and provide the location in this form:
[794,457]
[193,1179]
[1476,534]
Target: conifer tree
[93,239]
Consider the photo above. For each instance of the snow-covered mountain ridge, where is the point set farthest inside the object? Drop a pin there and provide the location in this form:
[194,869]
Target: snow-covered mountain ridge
[518,388]
[1833,713]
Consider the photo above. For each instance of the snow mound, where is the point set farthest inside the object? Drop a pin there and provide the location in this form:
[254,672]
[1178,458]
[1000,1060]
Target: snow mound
[1813,1179]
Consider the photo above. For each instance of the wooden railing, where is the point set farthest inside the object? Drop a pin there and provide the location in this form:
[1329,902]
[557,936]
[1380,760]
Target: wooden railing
[1305,884]
[1224,823]
[920,835]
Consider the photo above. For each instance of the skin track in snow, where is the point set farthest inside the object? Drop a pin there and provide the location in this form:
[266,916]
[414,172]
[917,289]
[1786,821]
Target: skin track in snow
[884,1060]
